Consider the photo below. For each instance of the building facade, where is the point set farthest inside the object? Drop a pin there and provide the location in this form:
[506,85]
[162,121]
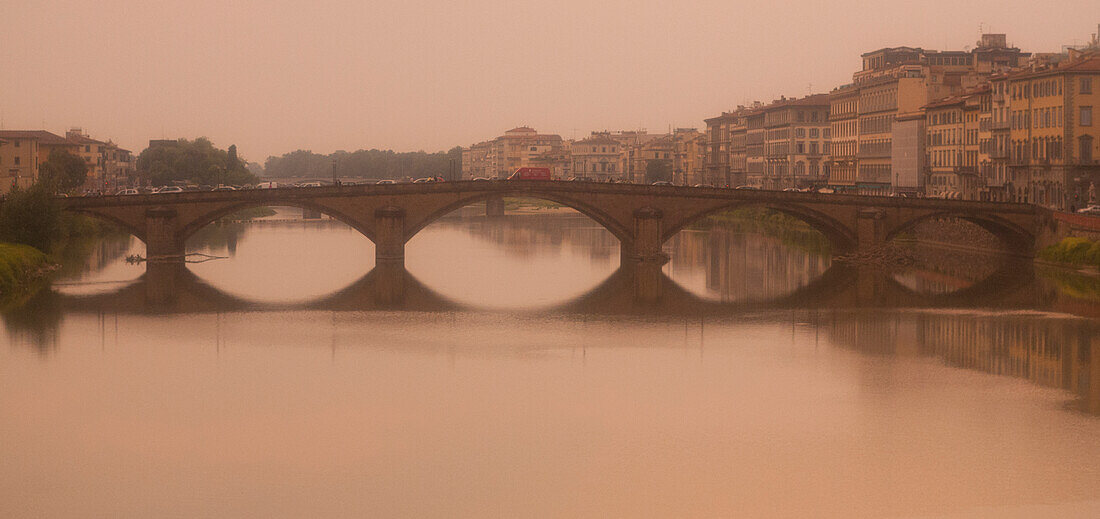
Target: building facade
[517,148]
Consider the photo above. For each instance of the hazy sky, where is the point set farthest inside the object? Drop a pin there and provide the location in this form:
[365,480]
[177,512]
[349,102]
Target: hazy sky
[275,76]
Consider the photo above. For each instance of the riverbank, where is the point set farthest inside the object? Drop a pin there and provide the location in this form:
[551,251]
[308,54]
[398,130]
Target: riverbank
[22,268]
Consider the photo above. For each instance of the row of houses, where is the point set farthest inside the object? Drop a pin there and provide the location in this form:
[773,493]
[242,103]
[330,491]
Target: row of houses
[603,156]
[989,123]
[22,153]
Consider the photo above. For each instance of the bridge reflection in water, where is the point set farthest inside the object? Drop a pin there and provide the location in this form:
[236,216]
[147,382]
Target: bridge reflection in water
[635,288]
[855,308]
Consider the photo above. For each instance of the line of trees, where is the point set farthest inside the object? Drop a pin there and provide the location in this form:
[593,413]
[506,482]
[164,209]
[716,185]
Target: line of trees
[197,161]
[376,164]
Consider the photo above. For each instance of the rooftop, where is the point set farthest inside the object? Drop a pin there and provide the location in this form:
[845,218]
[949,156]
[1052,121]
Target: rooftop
[42,136]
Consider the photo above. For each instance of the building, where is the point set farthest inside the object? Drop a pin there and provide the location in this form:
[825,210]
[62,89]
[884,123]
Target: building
[953,146]
[689,157]
[894,84]
[844,123]
[475,160]
[22,152]
[727,148]
[1053,134]
[659,149]
[517,148]
[598,157]
[796,143]
[109,166]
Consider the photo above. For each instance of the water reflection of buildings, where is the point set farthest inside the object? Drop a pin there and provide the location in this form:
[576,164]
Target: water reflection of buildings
[743,265]
[535,235]
[1061,353]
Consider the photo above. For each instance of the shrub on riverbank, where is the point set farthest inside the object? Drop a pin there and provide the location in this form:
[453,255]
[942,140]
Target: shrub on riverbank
[32,217]
[1074,251]
[19,266]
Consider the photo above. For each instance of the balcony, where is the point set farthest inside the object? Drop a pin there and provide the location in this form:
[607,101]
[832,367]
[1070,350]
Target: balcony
[1000,125]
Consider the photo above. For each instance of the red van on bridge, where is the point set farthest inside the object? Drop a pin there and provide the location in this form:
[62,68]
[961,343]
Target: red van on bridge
[531,174]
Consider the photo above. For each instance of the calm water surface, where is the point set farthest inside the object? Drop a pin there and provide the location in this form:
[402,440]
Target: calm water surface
[515,381]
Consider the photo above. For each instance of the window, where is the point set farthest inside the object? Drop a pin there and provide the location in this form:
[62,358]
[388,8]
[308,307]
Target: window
[16,144]
[16,161]
[1086,116]
[88,148]
[1086,85]
[1085,142]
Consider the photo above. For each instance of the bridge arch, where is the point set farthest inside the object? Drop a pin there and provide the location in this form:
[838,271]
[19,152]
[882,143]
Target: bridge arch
[110,218]
[840,236]
[1014,237]
[619,229]
[193,225]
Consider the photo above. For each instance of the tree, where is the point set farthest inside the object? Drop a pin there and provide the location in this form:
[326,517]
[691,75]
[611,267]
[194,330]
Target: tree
[63,171]
[372,163]
[657,170]
[196,161]
[232,163]
[32,217]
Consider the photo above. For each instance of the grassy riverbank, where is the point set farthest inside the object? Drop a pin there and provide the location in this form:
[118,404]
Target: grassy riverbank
[21,267]
[1076,252]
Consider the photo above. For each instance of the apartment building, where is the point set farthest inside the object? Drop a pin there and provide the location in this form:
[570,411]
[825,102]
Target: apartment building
[689,156]
[953,146]
[22,152]
[1053,135]
[518,147]
[796,143]
[598,157]
[895,83]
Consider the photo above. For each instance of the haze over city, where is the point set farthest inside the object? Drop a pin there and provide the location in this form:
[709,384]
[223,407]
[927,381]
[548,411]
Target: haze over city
[273,77]
[351,258]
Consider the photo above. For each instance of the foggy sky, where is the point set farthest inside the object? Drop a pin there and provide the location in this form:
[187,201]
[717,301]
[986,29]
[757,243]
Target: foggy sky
[273,77]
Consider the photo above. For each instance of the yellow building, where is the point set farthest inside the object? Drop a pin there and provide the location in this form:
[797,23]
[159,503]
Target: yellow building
[1053,134]
[952,146]
[22,152]
[894,84]
[689,157]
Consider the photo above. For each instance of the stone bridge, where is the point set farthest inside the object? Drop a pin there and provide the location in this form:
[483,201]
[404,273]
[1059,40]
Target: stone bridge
[642,217]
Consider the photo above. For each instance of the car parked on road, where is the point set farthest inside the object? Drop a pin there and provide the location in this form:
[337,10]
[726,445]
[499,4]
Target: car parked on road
[129,191]
[267,185]
[169,189]
[385,181]
[310,184]
[1093,210]
[223,187]
[424,180]
[662,183]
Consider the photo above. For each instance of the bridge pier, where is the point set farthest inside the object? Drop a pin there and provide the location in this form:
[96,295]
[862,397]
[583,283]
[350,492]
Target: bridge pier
[643,257]
[162,242]
[389,244]
[870,229]
[494,206]
[389,284]
[162,280]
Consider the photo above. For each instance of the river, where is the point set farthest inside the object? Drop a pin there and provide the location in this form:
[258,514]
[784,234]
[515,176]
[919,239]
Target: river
[518,378]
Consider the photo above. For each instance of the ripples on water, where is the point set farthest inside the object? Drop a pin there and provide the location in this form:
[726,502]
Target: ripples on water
[534,388]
